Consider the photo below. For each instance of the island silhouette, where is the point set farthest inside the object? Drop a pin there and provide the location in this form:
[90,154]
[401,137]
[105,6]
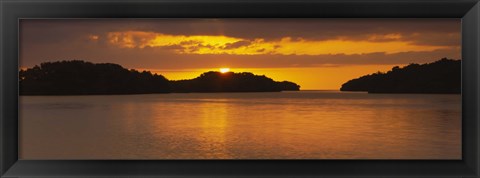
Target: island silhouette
[232,82]
[439,77]
[78,77]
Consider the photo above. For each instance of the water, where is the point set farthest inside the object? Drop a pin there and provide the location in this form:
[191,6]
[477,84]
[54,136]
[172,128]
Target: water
[284,125]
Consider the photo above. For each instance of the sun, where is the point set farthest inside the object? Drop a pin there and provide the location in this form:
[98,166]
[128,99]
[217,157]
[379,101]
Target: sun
[224,70]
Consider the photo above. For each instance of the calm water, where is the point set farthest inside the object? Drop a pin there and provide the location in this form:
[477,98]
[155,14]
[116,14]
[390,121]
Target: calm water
[285,125]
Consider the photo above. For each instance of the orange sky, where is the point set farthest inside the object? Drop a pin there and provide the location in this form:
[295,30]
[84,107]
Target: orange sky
[315,53]
[310,78]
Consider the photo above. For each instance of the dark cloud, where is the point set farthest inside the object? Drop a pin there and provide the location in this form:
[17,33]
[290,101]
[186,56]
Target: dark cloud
[261,50]
[60,39]
[269,29]
[237,44]
[304,28]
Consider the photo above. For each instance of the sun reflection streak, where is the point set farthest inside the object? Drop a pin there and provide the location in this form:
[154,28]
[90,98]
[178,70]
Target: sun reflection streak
[213,127]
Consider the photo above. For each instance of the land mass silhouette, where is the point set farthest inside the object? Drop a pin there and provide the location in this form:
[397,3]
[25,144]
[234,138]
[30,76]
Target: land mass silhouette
[442,76]
[85,78]
[232,82]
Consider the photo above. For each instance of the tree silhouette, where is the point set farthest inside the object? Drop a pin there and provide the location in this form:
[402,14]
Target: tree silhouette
[85,78]
[442,76]
[232,82]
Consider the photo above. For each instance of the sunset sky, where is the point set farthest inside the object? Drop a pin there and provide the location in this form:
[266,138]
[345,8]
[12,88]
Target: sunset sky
[314,53]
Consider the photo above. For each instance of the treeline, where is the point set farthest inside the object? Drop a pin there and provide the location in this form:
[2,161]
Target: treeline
[85,78]
[231,82]
[442,76]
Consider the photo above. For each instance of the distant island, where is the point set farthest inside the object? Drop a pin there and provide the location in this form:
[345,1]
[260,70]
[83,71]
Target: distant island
[232,82]
[85,78]
[442,76]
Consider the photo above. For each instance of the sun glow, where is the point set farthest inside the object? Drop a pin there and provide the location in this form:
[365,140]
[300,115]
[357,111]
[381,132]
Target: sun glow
[327,78]
[224,70]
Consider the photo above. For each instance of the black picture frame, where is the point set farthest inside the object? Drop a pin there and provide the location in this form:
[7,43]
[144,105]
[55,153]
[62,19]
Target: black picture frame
[13,10]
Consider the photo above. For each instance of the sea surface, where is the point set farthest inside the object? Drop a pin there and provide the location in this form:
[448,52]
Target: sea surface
[277,125]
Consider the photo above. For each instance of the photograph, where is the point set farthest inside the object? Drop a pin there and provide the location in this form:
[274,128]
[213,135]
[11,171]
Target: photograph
[240,89]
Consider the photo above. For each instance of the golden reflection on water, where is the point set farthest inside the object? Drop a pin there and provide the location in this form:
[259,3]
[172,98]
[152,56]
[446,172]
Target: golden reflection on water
[213,129]
[315,125]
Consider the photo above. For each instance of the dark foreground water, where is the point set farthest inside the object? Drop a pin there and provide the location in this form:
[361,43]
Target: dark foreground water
[285,125]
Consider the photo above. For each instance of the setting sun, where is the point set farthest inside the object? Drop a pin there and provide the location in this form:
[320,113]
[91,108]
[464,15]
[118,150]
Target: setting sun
[224,70]
[240,88]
